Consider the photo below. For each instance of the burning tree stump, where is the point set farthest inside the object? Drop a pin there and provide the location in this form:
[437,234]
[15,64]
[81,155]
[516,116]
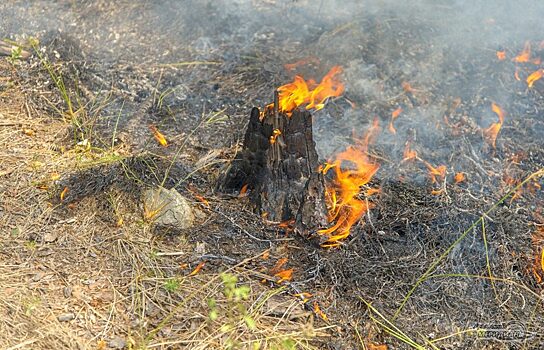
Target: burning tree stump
[279,165]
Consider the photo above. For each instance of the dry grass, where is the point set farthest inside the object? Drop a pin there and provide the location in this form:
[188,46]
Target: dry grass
[110,277]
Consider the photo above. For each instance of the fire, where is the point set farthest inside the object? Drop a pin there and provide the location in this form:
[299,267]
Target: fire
[408,152]
[491,133]
[309,93]
[501,55]
[538,249]
[326,167]
[439,171]
[320,313]
[534,77]
[459,177]
[525,55]
[278,266]
[274,136]
[345,207]
[158,136]
[63,193]
[394,115]
[407,87]
[197,269]
[243,191]
[302,62]
[516,74]
[285,275]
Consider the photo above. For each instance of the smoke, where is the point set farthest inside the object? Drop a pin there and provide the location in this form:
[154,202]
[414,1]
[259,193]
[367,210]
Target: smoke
[439,47]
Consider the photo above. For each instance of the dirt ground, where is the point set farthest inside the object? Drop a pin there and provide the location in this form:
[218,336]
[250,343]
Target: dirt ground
[439,262]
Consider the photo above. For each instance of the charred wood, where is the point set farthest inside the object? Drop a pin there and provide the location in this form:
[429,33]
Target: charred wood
[279,164]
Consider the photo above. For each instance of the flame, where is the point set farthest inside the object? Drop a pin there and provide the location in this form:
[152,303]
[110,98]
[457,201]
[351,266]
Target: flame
[158,136]
[516,74]
[197,269]
[538,249]
[304,296]
[285,275]
[491,133]
[302,62]
[534,77]
[501,55]
[525,55]
[287,224]
[198,196]
[274,136]
[63,193]
[243,191]
[407,87]
[326,167]
[408,152]
[542,260]
[345,208]
[279,264]
[498,110]
[320,313]
[459,177]
[301,92]
[439,171]
[394,115]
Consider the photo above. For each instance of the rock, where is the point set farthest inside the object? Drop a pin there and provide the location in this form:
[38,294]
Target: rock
[50,236]
[168,208]
[117,343]
[66,317]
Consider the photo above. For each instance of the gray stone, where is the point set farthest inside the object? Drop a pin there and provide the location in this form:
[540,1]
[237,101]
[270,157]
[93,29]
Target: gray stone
[66,317]
[168,208]
[117,343]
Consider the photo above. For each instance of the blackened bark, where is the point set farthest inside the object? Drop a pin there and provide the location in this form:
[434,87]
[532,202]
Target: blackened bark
[281,169]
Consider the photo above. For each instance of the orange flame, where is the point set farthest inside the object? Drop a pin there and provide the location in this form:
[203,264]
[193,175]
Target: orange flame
[63,193]
[459,177]
[345,208]
[302,62]
[491,133]
[408,152]
[197,269]
[309,93]
[407,87]
[243,191]
[320,313]
[279,264]
[538,248]
[285,275]
[394,115]
[498,110]
[525,55]
[439,171]
[158,136]
[274,136]
[516,74]
[304,296]
[501,55]
[534,77]
[287,224]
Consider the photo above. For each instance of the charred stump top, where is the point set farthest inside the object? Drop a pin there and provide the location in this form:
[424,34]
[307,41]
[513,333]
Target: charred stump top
[279,165]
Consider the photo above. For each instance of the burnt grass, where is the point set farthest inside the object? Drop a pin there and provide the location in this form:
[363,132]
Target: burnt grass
[198,84]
